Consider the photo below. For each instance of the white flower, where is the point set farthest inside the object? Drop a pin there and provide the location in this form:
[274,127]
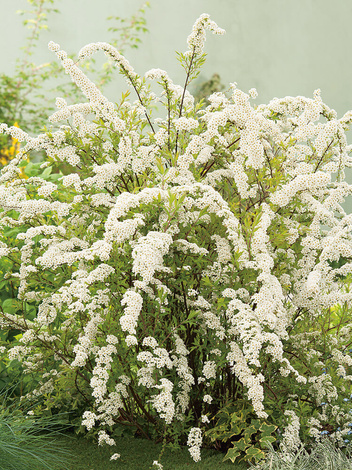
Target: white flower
[209,369]
[157,465]
[131,340]
[207,399]
[290,439]
[111,339]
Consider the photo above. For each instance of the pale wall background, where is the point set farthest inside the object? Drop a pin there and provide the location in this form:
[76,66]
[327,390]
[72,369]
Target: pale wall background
[280,47]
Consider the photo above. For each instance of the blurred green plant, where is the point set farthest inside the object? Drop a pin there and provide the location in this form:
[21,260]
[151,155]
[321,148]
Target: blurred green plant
[20,100]
[27,442]
[205,89]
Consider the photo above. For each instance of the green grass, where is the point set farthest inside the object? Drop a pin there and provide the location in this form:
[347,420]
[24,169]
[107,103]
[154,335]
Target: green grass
[136,454]
[139,454]
[22,447]
[28,442]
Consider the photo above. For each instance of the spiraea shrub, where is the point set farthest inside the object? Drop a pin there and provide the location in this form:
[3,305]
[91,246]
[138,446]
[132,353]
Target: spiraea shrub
[190,276]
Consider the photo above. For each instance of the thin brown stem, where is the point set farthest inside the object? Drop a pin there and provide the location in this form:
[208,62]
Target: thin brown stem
[184,94]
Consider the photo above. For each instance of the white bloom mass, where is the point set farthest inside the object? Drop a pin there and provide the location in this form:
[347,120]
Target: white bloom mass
[184,262]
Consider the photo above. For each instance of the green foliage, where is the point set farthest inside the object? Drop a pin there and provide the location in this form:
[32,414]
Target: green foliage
[9,97]
[129,29]
[237,426]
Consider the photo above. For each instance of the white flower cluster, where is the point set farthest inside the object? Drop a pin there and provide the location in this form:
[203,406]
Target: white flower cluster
[65,111]
[209,370]
[195,442]
[173,92]
[101,372]
[290,439]
[301,183]
[97,101]
[148,254]
[185,124]
[110,51]
[134,302]
[185,373]
[163,402]
[88,420]
[197,38]
[104,438]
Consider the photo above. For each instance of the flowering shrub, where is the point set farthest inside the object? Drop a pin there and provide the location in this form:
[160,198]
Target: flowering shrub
[181,268]
[19,103]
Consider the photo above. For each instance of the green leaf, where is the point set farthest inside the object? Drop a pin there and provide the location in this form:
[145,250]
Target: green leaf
[249,431]
[54,177]
[232,455]
[11,305]
[255,453]
[33,169]
[46,172]
[239,416]
[225,436]
[256,423]
[241,444]
[267,439]
[237,429]
[267,428]
[3,284]
[192,315]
